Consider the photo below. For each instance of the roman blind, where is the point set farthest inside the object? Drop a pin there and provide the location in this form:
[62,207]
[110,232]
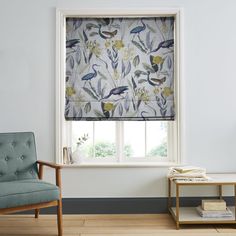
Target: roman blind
[119,68]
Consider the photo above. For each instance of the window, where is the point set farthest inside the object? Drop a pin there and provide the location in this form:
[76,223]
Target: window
[116,142]
[121,141]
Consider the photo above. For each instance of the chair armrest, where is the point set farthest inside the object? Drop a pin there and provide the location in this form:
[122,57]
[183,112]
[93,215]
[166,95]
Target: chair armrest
[49,164]
[52,165]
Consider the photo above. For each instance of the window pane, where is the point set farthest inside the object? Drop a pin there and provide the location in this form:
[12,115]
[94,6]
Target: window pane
[82,136]
[97,140]
[134,139]
[156,138]
[105,139]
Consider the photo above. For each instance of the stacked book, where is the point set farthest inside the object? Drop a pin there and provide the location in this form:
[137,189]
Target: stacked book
[214,209]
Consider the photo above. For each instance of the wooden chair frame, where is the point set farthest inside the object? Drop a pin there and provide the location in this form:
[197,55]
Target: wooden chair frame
[38,206]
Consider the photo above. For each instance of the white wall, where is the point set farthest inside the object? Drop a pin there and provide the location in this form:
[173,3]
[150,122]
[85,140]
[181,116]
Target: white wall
[27,94]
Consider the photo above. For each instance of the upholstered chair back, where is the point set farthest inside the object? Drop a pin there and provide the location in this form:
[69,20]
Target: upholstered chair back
[17,156]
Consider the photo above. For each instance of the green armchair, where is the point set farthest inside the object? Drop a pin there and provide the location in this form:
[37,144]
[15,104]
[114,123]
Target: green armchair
[21,184]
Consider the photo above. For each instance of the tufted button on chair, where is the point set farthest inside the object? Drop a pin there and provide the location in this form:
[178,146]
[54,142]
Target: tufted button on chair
[21,184]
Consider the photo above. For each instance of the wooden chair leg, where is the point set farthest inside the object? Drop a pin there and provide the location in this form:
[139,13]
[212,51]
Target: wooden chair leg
[59,218]
[36,213]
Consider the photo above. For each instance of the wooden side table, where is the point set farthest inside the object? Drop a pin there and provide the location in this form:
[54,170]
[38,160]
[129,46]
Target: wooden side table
[189,215]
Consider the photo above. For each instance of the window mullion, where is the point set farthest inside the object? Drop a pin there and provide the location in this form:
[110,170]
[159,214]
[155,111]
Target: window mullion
[122,151]
[119,141]
[169,141]
[93,139]
[145,139]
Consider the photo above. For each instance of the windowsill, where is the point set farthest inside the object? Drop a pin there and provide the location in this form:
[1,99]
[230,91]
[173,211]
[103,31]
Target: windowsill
[122,165]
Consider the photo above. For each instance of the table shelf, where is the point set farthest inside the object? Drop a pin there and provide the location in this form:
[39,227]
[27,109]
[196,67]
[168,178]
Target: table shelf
[189,215]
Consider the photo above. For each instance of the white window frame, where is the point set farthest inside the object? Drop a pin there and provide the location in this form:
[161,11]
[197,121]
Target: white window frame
[119,140]
[63,131]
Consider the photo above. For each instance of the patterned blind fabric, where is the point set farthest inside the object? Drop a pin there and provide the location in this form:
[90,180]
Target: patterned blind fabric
[120,68]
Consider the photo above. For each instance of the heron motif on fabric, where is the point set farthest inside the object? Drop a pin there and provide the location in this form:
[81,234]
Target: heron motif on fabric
[120,68]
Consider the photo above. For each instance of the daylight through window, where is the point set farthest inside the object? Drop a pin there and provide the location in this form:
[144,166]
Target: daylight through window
[121,141]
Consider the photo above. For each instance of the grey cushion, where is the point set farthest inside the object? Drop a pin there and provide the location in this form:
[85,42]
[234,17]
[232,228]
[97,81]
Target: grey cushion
[17,156]
[26,192]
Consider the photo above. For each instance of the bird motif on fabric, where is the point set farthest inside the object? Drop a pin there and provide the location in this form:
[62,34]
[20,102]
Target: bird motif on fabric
[71,43]
[117,91]
[155,81]
[91,75]
[165,44]
[106,34]
[138,29]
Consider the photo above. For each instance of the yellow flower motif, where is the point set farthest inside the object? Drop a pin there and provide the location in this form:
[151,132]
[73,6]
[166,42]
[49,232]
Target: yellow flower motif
[89,45]
[70,91]
[97,52]
[107,44]
[142,95]
[94,48]
[167,91]
[118,44]
[156,90]
[157,60]
[108,106]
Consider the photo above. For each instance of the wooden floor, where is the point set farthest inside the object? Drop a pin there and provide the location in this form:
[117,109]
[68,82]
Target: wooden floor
[107,225]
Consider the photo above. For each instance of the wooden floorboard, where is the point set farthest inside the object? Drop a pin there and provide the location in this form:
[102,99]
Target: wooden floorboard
[106,225]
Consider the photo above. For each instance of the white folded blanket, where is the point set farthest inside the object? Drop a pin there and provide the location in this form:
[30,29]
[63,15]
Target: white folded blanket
[186,172]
